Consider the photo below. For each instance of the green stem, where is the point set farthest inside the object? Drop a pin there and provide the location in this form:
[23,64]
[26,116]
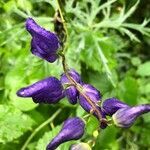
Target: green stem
[39,128]
[80,90]
[64,24]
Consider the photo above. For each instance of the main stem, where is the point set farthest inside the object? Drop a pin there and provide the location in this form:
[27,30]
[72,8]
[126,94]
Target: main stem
[72,81]
[80,89]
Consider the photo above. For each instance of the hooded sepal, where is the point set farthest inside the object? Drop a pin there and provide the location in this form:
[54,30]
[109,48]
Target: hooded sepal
[48,90]
[125,117]
[44,44]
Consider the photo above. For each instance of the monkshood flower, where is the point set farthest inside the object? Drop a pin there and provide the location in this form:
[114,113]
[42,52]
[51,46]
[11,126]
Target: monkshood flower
[92,93]
[111,105]
[73,129]
[48,90]
[44,43]
[95,97]
[71,92]
[125,117]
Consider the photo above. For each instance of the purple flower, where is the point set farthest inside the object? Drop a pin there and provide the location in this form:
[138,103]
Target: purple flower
[48,90]
[95,96]
[44,43]
[111,105]
[71,92]
[125,117]
[73,129]
[92,93]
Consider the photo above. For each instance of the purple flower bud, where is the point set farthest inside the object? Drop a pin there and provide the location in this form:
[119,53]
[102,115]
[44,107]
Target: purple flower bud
[44,43]
[125,117]
[80,146]
[71,92]
[73,129]
[111,105]
[48,90]
[92,93]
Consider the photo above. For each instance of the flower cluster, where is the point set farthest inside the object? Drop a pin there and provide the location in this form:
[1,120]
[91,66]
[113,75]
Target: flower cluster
[51,90]
[122,114]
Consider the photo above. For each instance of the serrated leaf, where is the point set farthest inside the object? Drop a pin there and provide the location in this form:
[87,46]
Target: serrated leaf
[13,123]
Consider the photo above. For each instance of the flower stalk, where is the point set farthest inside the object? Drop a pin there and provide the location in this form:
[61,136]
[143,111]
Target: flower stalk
[80,90]
[72,81]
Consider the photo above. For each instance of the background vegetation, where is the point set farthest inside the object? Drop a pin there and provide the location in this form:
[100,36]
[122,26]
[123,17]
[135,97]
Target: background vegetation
[108,44]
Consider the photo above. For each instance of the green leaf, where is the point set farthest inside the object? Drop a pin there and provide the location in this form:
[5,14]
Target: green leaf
[80,111]
[92,125]
[106,138]
[128,90]
[47,137]
[144,69]
[135,61]
[13,123]
[24,104]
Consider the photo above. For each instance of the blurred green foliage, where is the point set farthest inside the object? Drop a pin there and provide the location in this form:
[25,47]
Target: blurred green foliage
[108,44]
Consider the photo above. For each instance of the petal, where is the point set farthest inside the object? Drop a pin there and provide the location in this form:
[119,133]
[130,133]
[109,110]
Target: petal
[125,117]
[47,97]
[111,105]
[48,90]
[36,50]
[92,93]
[72,94]
[75,75]
[73,129]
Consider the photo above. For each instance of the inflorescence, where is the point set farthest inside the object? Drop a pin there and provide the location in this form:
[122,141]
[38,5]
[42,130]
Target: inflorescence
[51,90]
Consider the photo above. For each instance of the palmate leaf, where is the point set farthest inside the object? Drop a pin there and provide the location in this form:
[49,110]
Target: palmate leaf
[91,20]
[13,123]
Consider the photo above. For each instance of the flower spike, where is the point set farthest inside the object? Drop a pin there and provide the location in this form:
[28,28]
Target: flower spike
[73,129]
[48,90]
[44,43]
[125,117]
